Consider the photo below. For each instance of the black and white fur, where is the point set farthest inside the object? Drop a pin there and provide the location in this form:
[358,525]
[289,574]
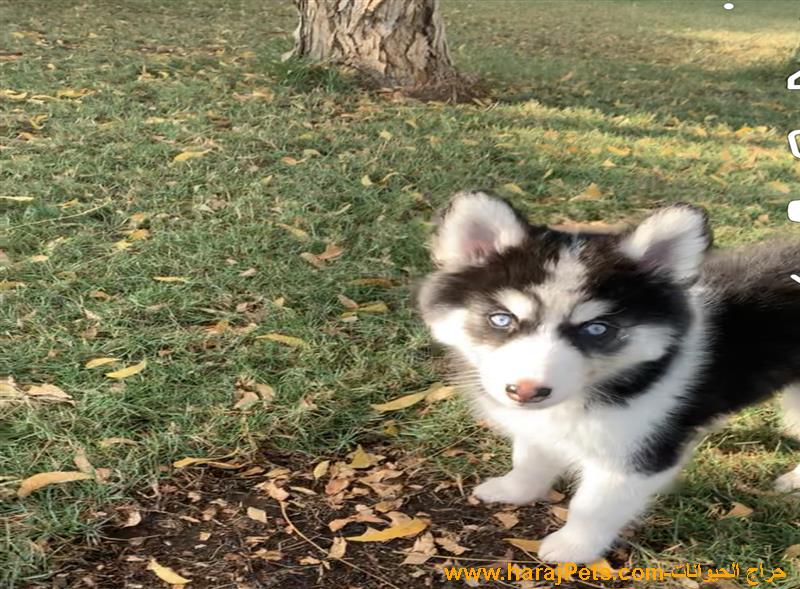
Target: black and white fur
[688,335]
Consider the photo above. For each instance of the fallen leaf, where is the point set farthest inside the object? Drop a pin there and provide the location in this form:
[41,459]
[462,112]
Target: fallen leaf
[257,514]
[346,302]
[122,244]
[338,548]
[738,510]
[170,279]
[321,469]
[792,551]
[246,400]
[189,155]
[39,259]
[290,161]
[362,459]
[274,491]
[108,442]
[410,528]
[43,479]
[197,461]
[331,251]
[312,259]
[95,362]
[366,181]
[384,134]
[781,187]
[71,93]
[286,340]
[49,393]
[592,192]
[439,392]
[376,307]
[508,519]
[622,152]
[134,518]
[422,550]
[296,231]
[527,545]
[451,545]
[511,187]
[166,574]
[82,462]
[385,282]
[127,371]
[17,198]
[138,234]
[400,403]
[559,512]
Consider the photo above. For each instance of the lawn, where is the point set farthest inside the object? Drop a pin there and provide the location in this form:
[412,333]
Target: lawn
[171,191]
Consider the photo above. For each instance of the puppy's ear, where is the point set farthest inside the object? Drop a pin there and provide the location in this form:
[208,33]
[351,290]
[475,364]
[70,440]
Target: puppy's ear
[474,226]
[673,241]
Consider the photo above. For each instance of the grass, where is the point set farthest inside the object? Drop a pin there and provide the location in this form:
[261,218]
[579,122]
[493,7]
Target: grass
[652,102]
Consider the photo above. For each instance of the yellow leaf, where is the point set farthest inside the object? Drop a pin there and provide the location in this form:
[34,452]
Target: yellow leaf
[9,284]
[511,187]
[592,192]
[286,340]
[400,403]
[509,520]
[122,244]
[37,121]
[410,528]
[622,152]
[527,545]
[138,234]
[438,392]
[166,574]
[366,181]
[39,259]
[43,479]
[290,161]
[385,135]
[362,459]
[781,187]
[170,279]
[95,362]
[738,510]
[17,198]
[559,512]
[137,218]
[321,469]
[71,93]
[184,462]
[312,259]
[189,155]
[338,548]
[12,95]
[296,231]
[128,371]
[376,307]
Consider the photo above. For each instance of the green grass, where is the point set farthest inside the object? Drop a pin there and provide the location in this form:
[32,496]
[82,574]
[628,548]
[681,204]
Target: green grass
[690,98]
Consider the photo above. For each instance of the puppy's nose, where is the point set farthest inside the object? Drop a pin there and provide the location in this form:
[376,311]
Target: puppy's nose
[524,391]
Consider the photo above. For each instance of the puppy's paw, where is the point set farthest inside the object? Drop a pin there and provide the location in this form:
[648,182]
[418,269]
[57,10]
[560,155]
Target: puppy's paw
[509,489]
[788,482]
[573,545]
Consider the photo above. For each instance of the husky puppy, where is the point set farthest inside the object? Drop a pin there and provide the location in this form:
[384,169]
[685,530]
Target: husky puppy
[606,354]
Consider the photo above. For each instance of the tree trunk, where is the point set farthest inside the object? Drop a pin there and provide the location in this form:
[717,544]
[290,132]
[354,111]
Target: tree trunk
[397,43]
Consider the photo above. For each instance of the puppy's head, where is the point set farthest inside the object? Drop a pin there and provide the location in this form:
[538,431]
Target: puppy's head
[544,315]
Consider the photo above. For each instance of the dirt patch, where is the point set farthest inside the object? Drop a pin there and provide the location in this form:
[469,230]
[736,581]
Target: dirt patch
[272,523]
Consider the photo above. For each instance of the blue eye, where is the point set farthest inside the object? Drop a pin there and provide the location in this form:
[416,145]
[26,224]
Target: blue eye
[501,320]
[595,329]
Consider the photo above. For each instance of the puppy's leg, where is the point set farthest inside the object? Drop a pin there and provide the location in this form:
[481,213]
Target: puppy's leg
[534,470]
[790,403]
[603,504]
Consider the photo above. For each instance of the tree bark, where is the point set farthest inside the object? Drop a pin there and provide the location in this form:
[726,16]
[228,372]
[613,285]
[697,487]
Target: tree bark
[397,43]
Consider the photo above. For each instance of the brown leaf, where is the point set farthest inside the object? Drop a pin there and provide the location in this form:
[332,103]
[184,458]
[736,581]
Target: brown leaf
[107,442]
[37,481]
[274,491]
[508,519]
[257,514]
[94,363]
[592,192]
[198,461]
[48,393]
[321,469]
[331,252]
[338,548]
[400,403]
[738,510]
[559,512]
[527,545]
[286,340]
[82,462]
[362,459]
[451,545]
